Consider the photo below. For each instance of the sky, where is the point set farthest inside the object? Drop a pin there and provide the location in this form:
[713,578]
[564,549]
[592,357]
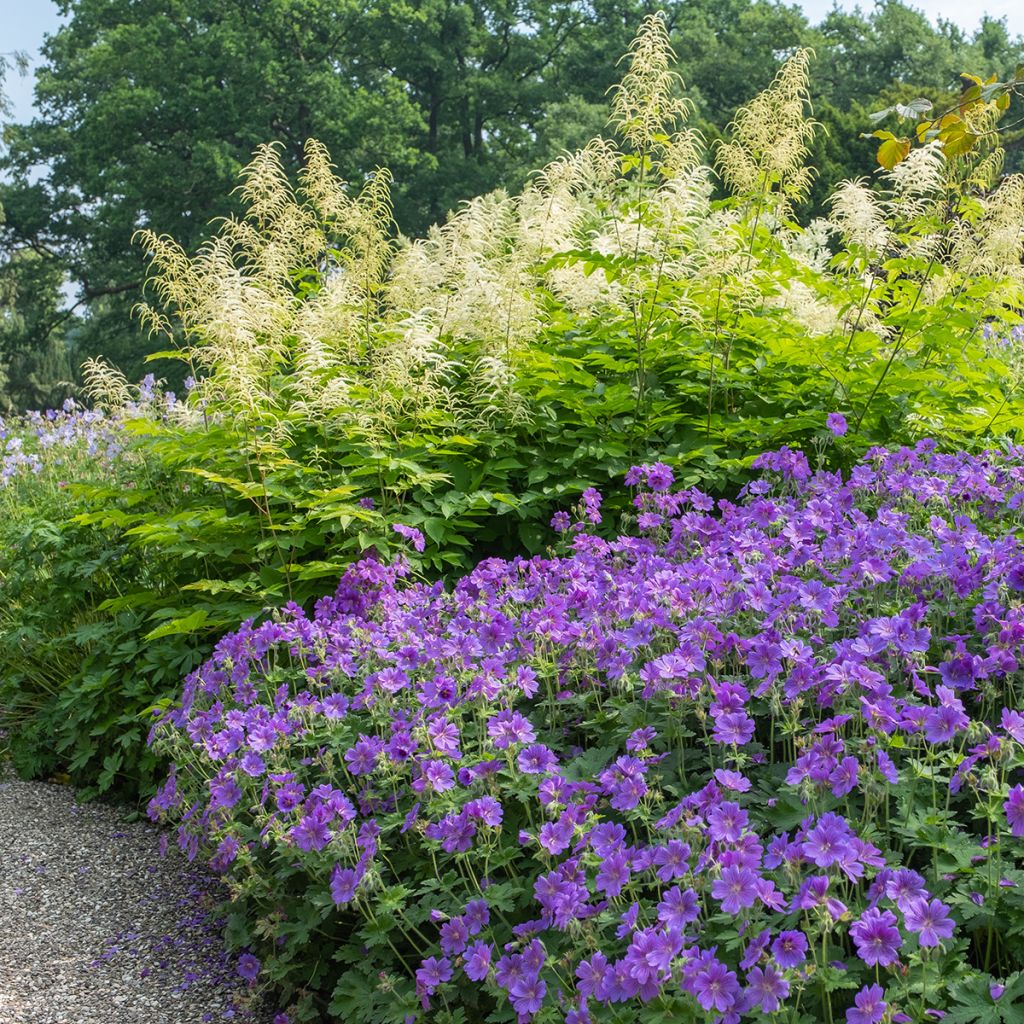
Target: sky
[966,13]
[23,23]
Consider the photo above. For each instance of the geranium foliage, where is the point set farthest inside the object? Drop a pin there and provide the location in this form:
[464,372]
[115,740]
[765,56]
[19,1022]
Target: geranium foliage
[752,760]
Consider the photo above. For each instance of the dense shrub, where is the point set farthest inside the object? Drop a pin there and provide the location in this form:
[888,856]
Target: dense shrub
[538,344]
[755,759]
[642,295]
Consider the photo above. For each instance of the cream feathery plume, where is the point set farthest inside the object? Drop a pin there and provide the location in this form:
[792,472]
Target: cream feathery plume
[646,104]
[856,213]
[769,139]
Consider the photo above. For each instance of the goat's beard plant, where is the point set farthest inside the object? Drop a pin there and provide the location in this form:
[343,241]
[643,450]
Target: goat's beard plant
[616,296]
[755,762]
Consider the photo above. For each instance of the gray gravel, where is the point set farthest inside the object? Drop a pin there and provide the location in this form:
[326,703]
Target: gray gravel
[96,926]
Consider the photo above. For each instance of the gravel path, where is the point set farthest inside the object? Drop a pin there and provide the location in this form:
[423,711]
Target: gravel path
[96,926]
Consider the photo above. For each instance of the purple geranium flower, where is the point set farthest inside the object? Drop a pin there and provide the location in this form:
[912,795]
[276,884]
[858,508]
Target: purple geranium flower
[1014,807]
[736,889]
[536,759]
[248,967]
[438,775]
[876,936]
[790,949]
[930,918]
[735,728]
[432,974]
[716,987]
[726,822]
[344,882]
[410,533]
[767,988]
[836,422]
[478,961]
[869,1008]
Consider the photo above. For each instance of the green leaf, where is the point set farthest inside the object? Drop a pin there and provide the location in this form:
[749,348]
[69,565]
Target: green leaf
[181,625]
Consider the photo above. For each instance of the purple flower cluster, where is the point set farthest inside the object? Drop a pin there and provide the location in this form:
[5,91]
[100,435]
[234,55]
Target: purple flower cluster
[64,441]
[698,769]
[58,438]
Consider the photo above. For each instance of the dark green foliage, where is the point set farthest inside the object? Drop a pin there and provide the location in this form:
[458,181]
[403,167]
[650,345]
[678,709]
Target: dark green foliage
[78,672]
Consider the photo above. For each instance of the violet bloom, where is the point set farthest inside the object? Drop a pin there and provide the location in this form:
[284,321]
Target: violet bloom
[814,893]
[433,973]
[828,841]
[886,767]
[640,739]
[716,987]
[876,936]
[362,756]
[905,888]
[930,918]
[456,832]
[734,729]
[438,775]
[626,793]
[536,760]
[485,809]
[836,422]
[672,860]
[649,958]
[726,822]
[958,672]
[555,836]
[607,837]
[410,533]
[591,502]
[248,967]
[790,949]
[224,793]
[944,722]
[1013,724]
[344,882]
[1014,808]
[756,946]
[527,995]
[508,727]
[736,889]
[870,1008]
[613,874]
[732,780]
[628,919]
[560,522]
[478,961]
[591,974]
[289,797]
[477,916]
[312,832]
[844,776]
[678,908]
[659,476]
[767,988]
[454,936]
